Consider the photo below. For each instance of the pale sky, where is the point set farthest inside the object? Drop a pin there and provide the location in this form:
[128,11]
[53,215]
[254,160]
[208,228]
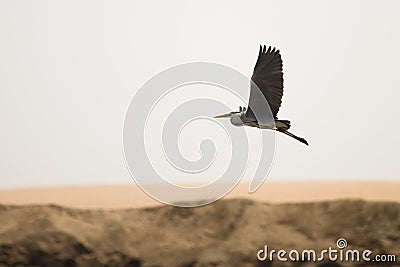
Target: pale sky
[70,68]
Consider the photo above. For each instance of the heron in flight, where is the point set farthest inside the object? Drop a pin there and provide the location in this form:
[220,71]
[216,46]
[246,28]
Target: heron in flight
[268,77]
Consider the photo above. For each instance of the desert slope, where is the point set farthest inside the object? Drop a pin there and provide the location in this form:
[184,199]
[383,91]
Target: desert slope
[225,233]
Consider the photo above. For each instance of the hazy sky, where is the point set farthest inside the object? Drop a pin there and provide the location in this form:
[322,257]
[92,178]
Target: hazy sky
[68,70]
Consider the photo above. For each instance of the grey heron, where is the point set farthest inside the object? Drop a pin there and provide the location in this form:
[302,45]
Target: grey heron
[268,77]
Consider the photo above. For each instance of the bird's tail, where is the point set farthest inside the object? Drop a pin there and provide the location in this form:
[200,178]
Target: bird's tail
[304,141]
[282,125]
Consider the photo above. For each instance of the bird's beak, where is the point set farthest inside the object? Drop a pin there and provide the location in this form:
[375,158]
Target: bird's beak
[222,116]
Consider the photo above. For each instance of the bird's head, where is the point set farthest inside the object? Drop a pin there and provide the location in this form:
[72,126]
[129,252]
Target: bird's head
[235,116]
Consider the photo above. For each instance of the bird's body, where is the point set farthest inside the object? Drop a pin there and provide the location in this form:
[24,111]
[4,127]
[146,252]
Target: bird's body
[268,79]
[240,119]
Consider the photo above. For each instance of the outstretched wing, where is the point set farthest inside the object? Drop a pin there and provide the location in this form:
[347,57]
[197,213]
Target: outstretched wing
[268,76]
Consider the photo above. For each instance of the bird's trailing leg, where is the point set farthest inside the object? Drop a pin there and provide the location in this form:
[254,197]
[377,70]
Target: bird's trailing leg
[304,141]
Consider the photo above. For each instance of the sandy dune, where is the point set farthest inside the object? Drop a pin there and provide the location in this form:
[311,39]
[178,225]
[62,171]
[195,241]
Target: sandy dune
[130,196]
[103,226]
[225,233]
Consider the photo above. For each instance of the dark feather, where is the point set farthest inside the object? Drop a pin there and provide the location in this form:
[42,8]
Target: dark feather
[268,76]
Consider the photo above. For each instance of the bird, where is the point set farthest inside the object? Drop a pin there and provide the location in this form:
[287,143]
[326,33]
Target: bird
[268,77]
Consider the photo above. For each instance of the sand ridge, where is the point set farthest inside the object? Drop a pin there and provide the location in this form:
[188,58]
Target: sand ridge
[130,196]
